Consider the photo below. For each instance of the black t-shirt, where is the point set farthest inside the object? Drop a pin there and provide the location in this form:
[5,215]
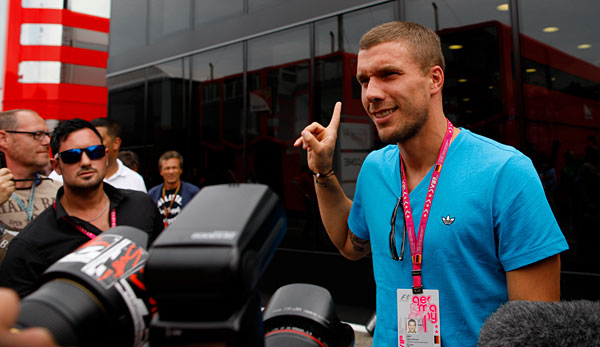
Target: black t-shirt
[50,237]
[170,205]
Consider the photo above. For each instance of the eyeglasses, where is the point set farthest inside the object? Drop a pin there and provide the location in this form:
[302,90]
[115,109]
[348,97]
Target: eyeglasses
[72,156]
[37,135]
[393,251]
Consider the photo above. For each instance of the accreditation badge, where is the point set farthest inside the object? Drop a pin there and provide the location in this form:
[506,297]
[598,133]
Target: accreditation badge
[418,318]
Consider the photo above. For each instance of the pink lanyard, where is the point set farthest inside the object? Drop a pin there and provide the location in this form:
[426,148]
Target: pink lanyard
[416,246]
[113,223]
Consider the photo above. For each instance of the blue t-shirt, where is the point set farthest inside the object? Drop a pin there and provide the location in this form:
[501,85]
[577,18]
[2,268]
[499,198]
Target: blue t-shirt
[492,191]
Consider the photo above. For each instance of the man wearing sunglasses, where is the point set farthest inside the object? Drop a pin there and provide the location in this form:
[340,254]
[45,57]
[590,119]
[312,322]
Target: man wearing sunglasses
[117,174]
[85,206]
[472,212]
[24,192]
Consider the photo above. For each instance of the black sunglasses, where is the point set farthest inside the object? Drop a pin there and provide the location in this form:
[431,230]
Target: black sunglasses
[72,156]
[393,251]
[38,135]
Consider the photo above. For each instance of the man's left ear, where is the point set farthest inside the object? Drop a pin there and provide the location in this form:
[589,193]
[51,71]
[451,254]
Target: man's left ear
[437,79]
[55,165]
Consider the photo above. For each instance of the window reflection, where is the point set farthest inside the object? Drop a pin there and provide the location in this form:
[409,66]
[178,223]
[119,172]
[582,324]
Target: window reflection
[327,38]
[217,115]
[214,99]
[217,63]
[283,79]
[279,48]
[328,85]
[451,14]
[287,84]
[473,94]
[359,22]
[210,117]
[167,115]
[576,26]
[166,109]
[233,111]
[126,105]
[561,82]
[278,89]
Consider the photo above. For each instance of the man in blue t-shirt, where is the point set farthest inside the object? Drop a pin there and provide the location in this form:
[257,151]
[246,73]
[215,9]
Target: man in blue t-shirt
[472,212]
[173,194]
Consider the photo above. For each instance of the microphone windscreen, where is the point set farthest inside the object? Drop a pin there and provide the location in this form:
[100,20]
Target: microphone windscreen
[536,323]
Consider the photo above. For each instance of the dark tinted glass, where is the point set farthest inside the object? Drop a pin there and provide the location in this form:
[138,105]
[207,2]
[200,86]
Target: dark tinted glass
[71,156]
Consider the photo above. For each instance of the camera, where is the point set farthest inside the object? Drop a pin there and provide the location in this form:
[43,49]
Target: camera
[196,285]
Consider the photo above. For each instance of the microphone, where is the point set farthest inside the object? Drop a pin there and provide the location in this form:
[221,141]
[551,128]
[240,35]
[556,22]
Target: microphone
[95,295]
[536,323]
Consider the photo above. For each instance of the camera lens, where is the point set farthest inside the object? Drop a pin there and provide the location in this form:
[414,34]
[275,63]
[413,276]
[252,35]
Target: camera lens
[303,315]
[65,308]
[292,338]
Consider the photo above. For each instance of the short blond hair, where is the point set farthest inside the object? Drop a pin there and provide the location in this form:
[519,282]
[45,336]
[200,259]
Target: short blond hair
[8,119]
[423,43]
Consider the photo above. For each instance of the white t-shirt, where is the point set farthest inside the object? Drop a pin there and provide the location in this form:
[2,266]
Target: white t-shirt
[124,178]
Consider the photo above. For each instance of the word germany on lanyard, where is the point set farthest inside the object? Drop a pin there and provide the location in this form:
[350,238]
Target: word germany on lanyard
[418,309]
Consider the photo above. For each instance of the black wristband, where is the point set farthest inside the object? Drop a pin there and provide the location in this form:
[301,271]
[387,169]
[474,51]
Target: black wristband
[320,175]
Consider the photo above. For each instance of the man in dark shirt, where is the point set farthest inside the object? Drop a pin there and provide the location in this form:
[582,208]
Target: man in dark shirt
[85,206]
[172,195]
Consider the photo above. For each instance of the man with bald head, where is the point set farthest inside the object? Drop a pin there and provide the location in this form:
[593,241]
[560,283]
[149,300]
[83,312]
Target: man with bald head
[24,193]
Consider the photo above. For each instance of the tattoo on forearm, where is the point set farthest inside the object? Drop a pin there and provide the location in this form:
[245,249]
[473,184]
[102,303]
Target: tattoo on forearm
[357,243]
[321,184]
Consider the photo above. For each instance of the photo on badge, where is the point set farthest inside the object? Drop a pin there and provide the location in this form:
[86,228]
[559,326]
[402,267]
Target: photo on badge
[411,326]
